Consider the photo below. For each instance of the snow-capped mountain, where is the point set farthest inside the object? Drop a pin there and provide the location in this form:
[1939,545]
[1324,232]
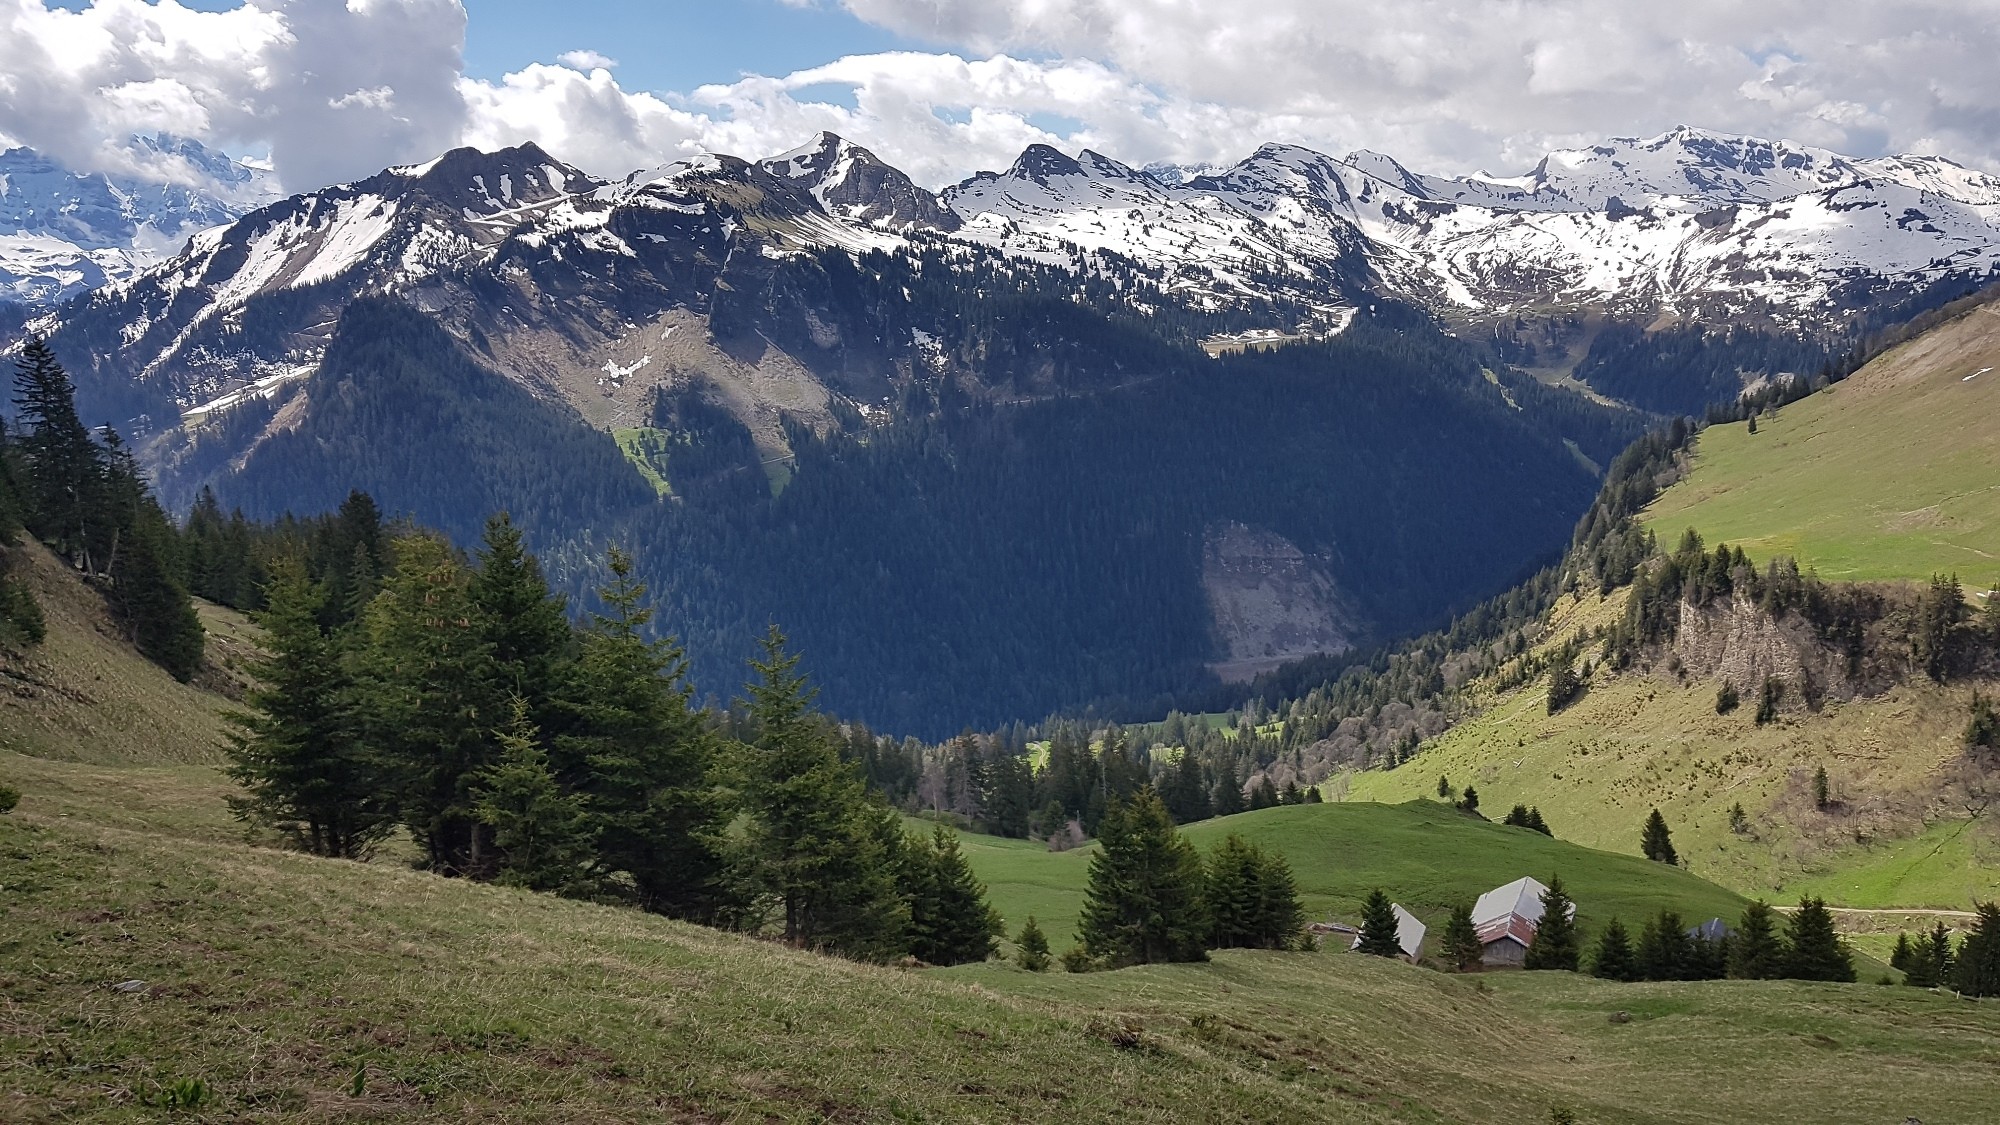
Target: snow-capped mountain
[64,232]
[1689,223]
[577,286]
[851,183]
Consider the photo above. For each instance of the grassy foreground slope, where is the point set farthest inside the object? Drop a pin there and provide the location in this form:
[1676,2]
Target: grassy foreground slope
[1426,855]
[276,978]
[85,695]
[1893,473]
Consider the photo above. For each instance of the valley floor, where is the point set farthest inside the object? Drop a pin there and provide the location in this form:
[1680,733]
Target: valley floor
[305,989]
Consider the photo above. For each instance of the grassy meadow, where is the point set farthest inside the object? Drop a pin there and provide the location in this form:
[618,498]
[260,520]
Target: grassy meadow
[1891,474]
[1425,854]
[301,989]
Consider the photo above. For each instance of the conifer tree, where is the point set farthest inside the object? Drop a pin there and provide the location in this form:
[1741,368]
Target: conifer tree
[1535,822]
[1379,937]
[139,552]
[1556,944]
[1656,842]
[1144,902]
[1664,951]
[546,837]
[1813,950]
[1461,949]
[1186,792]
[1251,898]
[62,467]
[525,624]
[817,844]
[1758,950]
[1977,972]
[430,707]
[633,743]
[950,921]
[1227,800]
[1470,801]
[1564,684]
[1032,952]
[1937,948]
[1918,961]
[1313,796]
[1613,959]
[298,751]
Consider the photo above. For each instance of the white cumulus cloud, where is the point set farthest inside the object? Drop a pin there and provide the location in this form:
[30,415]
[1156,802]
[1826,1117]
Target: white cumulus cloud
[340,88]
[335,88]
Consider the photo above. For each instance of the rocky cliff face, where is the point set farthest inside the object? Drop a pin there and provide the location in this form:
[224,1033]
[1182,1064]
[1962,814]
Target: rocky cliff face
[1739,644]
[1271,602]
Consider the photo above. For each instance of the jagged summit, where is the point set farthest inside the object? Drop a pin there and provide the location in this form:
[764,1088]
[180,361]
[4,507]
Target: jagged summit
[853,183]
[1041,163]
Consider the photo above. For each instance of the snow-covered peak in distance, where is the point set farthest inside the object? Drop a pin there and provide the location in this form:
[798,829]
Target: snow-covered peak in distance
[63,232]
[1689,169]
[853,183]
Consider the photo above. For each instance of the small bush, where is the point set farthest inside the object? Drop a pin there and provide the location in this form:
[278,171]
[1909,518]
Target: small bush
[1726,700]
[1079,960]
[181,1093]
[9,797]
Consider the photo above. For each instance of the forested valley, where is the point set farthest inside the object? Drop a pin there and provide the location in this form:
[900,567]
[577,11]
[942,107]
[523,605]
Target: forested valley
[961,560]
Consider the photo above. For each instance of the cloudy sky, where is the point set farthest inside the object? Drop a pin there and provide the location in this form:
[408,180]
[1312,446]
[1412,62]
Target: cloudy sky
[336,89]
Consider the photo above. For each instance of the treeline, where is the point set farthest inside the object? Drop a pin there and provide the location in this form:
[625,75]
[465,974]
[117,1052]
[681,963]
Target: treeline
[1805,948]
[453,699]
[81,493]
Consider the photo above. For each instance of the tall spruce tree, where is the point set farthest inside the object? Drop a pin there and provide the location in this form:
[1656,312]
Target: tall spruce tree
[1613,959]
[63,468]
[546,837]
[1144,901]
[1813,950]
[818,846]
[1461,949]
[1556,944]
[526,626]
[1933,958]
[1656,842]
[1758,950]
[1664,951]
[631,740]
[298,750]
[1977,972]
[1379,936]
[1252,900]
[1186,790]
[950,921]
[139,554]
[430,704]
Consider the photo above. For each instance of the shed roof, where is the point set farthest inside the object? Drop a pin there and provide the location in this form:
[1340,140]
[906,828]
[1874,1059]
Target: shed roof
[1713,930]
[1522,897]
[1409,932]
